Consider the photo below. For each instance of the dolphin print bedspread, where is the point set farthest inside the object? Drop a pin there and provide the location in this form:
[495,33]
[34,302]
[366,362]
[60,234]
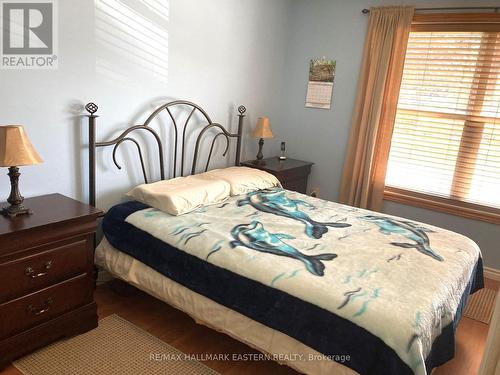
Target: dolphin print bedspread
[384,290]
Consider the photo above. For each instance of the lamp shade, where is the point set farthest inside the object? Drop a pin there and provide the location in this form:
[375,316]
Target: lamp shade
[262,129]
[15,147]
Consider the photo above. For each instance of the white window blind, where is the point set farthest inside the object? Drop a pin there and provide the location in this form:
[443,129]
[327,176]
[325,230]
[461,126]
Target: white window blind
[446,139]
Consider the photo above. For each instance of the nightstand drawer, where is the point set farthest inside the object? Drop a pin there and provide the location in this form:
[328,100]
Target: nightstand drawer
[299,184]
[40,270]
[25,312]
[293,174]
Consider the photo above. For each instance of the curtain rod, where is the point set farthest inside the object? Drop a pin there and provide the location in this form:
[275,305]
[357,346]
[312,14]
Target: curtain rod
[495,9]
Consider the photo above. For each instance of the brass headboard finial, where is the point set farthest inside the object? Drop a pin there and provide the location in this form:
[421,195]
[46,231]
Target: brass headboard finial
[91,108]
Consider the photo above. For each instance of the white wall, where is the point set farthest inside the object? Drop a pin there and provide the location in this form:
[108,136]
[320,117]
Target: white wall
[128,58]
[218,53]
[336,29]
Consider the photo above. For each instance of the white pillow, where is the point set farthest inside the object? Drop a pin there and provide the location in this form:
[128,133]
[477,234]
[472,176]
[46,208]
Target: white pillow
[182,194]
[244,179]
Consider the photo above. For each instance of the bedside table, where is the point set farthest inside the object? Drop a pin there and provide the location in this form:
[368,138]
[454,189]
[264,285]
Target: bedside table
[293,174]
[46,274]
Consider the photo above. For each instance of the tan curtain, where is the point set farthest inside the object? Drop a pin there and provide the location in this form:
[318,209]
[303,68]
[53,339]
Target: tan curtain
[378,90]
[491,360]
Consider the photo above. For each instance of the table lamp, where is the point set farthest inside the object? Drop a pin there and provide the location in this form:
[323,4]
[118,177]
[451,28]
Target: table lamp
[262,130]
[15,150]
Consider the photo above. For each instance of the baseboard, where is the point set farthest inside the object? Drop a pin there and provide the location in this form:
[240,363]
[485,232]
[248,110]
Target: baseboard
[492,273]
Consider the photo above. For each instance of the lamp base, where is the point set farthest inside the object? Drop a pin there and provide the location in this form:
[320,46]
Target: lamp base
[260,156]
[13,211]
[15,198]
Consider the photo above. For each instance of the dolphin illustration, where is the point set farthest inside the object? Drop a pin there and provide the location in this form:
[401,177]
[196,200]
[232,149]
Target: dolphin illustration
[275,202]
[407,229]
[255,237]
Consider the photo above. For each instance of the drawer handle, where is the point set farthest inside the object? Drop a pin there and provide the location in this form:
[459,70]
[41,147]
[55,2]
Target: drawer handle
[29,271]
[41,310]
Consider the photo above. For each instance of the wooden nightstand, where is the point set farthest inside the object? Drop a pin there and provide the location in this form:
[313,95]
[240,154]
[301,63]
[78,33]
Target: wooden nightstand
[46,274]
[293,174]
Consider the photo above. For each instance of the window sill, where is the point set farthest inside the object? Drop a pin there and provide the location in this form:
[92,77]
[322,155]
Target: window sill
[449,206]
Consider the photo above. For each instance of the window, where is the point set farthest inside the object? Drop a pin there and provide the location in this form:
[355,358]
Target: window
[446,138]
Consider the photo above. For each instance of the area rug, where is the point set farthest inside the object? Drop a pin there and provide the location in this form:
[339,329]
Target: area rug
[480,305]
[115,347]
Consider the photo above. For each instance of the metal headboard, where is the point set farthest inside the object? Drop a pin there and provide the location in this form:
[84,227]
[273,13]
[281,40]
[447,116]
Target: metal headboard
[124,136]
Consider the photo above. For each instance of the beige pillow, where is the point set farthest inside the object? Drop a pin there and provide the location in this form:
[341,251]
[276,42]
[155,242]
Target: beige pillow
[182,194]
[244,179]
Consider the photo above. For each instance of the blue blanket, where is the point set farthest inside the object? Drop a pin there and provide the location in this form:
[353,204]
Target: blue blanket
[316,327]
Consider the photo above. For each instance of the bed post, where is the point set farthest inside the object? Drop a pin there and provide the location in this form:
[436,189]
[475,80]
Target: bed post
[241,110]
[92,109]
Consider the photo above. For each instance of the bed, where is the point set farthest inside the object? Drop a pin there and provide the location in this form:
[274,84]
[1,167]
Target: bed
[322,287]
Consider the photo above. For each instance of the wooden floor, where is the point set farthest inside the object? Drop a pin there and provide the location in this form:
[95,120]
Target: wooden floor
[180,331]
